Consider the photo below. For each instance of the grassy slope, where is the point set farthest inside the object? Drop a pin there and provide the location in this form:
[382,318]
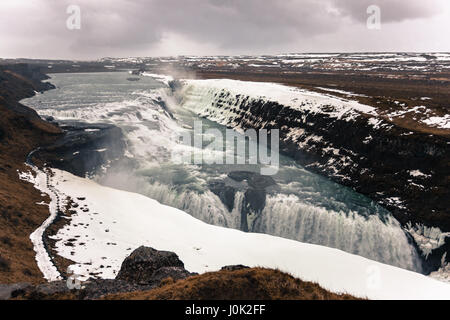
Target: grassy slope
[245,284]
[20,132]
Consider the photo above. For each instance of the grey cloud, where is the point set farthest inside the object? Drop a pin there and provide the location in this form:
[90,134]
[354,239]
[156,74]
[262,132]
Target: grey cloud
[391,10]
[230,24]
[226,23]
[136,27]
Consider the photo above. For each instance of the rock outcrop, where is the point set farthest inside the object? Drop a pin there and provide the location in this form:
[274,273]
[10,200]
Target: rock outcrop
[147,265]
[84,148]
[254,187]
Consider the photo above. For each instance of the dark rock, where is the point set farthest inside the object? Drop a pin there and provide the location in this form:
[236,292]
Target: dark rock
[42,291]
[8,291]
[175,85]
[84,148]
[142,263]
[234,267]
[94,289]
[255,187]
[50,288]
[254,180]
[176,273]
[254,197]
[253,204]
[225,193]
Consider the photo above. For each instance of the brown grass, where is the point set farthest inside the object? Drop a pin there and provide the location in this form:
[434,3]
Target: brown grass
[245,284]
[19,214]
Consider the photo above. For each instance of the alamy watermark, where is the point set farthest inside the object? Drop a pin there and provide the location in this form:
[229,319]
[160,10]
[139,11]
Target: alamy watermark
[374,19]
[73,22]
[73,281]
[254,147]
[373,280]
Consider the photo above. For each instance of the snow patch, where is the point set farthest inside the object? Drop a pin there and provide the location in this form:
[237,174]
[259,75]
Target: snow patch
[418,174]
[439,122]
[44,262]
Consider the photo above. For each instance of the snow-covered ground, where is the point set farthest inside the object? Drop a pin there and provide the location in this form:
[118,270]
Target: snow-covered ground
[290,61]
[285,95]
[346,93]
[45,264]
[439,122]
[110,223]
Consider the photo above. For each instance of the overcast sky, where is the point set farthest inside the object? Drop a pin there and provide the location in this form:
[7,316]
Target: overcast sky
[122,28]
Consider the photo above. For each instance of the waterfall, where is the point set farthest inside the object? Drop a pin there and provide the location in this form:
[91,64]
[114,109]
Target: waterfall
[369,237]
[288,217]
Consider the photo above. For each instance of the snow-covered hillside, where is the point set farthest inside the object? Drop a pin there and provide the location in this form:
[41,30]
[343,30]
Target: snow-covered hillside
[110,223]
[200,95]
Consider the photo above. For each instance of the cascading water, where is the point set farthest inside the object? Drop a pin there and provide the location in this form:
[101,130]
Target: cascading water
[351,232]
[301,205]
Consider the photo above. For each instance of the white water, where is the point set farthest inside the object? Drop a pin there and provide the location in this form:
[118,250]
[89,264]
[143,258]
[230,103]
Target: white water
[350,232]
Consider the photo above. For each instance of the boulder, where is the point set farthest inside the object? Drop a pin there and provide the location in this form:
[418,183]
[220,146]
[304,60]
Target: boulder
[141,265]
